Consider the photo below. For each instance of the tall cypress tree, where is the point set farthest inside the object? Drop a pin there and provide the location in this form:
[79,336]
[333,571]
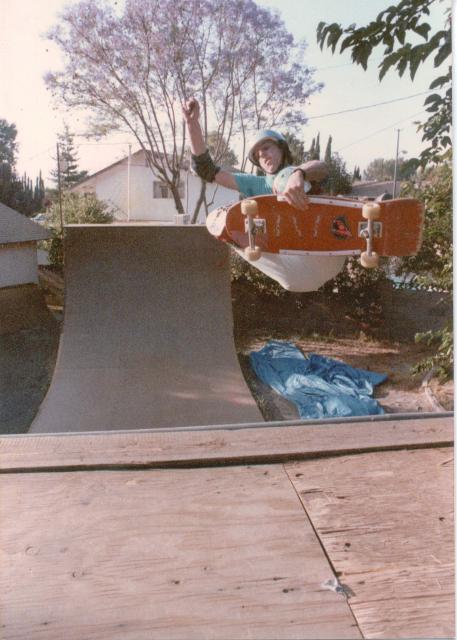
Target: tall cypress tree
[16,192]
[312,150]
[315,149]
[68,157]
[328,150]
[318,147]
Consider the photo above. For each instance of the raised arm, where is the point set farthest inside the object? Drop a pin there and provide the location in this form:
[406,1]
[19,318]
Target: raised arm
[202,162]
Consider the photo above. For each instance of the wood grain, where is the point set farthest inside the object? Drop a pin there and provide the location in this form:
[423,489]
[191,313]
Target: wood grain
[260,444]
[386,520]
[178,554]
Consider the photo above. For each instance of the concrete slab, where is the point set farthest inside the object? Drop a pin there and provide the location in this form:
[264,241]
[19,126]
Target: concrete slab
[148,333]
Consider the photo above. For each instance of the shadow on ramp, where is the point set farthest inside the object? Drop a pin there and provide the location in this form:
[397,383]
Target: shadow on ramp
[148,333]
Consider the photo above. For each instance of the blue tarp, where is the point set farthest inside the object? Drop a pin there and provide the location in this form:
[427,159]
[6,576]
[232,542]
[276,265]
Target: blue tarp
[320,387]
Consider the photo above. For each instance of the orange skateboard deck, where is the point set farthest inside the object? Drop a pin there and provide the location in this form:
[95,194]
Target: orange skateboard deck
[330,226]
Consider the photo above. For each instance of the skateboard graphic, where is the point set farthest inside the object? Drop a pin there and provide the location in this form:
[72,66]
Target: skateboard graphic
[330,226]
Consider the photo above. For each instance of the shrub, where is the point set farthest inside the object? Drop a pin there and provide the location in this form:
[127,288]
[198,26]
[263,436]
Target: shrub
[442,362]
[76,209]
[433,265]
[358,287]
[242,271]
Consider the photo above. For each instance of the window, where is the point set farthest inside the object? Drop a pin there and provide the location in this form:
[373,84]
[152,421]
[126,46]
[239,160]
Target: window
[162,190]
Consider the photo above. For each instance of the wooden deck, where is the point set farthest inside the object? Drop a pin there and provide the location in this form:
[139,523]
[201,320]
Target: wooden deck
[294,531]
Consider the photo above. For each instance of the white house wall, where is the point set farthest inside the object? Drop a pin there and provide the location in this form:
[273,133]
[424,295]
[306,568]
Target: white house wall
[216,196]
[111,186]
[18,264]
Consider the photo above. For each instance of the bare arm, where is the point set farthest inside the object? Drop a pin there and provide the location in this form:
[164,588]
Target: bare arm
[191,113]
[316,170]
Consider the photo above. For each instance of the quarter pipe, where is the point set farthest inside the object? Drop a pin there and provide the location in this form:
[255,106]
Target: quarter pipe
[147,339]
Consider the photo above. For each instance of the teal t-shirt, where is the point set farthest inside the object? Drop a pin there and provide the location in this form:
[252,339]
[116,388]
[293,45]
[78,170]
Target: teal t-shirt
[250,185]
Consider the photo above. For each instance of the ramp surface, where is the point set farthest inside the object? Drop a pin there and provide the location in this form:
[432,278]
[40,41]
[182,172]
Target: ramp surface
[148,337]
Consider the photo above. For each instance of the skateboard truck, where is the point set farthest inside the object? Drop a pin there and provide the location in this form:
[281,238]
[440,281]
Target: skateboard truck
[249,208]
[371,212]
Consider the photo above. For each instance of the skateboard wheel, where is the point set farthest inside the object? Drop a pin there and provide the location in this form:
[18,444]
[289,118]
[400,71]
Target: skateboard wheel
[249,207]
[252,254]
[371,211]
[369,260]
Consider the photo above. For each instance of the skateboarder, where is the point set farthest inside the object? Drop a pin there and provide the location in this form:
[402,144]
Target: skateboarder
[270,152]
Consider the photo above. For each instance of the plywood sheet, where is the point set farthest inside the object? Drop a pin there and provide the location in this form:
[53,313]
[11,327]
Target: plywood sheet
[258,444]
[176,554]
[386,522]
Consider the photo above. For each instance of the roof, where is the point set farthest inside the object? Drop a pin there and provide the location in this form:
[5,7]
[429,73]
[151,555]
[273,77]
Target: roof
[135,156]
[16,227]
[374,188]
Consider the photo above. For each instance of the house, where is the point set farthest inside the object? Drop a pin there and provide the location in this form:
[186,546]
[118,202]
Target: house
[136,194]
[18,248]
[375,189]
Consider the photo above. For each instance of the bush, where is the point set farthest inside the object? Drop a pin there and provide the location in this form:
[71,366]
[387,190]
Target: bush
[360,288]
[242,271]
[433,265]
[442,362]
[354,285]
[76,209]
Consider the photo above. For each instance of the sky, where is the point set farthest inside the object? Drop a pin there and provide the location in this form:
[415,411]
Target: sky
[359,136]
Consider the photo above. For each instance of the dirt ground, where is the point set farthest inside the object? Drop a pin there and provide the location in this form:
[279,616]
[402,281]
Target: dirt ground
[313,322]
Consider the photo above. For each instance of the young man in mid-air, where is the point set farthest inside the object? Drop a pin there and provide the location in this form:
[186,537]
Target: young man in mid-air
[269,151]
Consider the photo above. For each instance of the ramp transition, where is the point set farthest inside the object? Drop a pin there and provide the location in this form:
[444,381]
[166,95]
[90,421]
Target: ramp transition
[148,335]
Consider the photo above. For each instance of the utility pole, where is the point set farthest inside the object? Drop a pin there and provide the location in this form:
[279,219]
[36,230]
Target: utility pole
[59,186]
[129,161]
[396,165]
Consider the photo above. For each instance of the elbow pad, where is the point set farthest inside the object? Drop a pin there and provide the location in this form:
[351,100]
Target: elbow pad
[204,166]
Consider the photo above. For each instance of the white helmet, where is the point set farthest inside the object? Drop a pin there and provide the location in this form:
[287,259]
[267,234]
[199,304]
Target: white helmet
[274,136]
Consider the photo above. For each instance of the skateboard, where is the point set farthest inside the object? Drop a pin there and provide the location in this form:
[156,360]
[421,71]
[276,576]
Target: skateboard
[331,226]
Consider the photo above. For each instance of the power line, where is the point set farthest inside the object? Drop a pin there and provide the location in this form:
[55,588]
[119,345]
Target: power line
[40,153]
[369,106]
[335,66]
[380,130]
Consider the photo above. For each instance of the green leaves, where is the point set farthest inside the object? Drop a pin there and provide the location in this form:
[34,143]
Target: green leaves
[392,30]
[441,80]
[434,100]
[361,52]
[423,30]
[331,33]
[445,49]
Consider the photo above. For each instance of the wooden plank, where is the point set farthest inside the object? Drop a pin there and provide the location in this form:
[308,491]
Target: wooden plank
[145,554]
[386,522]
[261,444]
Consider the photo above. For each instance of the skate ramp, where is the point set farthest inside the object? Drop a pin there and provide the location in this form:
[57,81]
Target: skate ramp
[147,339]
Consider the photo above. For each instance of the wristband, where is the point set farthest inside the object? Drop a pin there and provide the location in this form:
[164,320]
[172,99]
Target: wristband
[307,186]
[302,171]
